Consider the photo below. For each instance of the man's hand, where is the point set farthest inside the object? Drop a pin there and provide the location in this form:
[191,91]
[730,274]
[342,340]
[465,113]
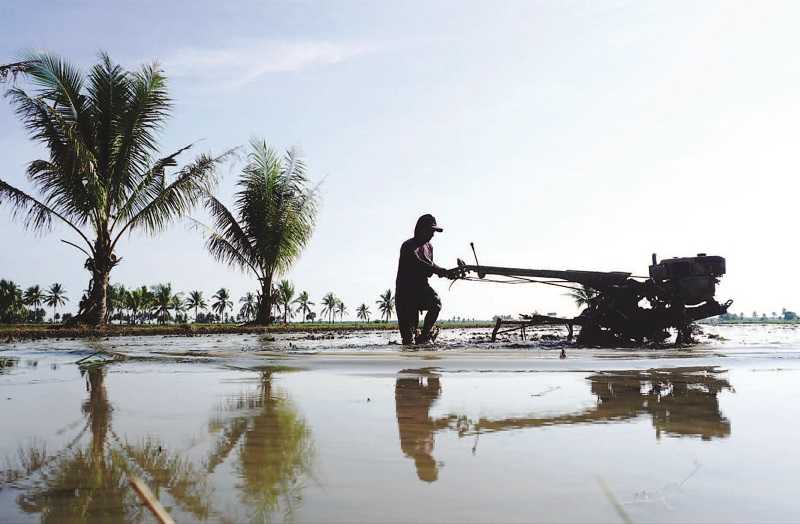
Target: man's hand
[452,274]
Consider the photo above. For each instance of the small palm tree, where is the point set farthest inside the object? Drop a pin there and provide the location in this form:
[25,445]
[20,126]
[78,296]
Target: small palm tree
[102,177]
[177,304]
[286,295]
[116,299]
[33,297]
[249,306]
[222,302]
[341,309]
[329,302]
[386,304]
[56,296]
[582,296]
[196,301]
[162,293]
[275,215]
[11,305]
[363,312]
[304,304]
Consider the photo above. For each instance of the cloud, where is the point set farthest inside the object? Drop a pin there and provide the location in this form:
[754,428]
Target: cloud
[246,61]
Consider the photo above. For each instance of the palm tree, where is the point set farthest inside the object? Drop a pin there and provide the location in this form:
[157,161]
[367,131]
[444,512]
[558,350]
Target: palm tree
[162,294]
[286,294]
[222,302]
[137,301]
[386,304]
[329,302]
[304,304]
[33,297]
[275,215]
[177,304]
[363,312]
[582,295]
[11,301]
[341,309]
[56,296]
[249,306]
[101,178]
[196,301]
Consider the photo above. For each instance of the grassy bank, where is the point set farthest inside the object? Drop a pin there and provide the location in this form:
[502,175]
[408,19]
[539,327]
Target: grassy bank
[12,332]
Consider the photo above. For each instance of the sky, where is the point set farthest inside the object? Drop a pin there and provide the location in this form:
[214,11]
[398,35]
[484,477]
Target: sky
[553,135]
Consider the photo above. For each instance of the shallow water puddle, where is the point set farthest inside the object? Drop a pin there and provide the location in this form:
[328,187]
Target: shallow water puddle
[399,439]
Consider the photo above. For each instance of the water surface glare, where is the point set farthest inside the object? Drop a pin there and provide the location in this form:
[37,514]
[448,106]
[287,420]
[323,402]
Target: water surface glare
[705,436]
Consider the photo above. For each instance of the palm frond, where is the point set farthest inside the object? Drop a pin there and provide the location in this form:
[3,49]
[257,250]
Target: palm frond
[191,184]
[37,216]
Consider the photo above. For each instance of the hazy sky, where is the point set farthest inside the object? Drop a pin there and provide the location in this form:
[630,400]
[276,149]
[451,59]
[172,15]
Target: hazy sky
[574,135]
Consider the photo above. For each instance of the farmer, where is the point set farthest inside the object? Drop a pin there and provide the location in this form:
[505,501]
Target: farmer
[413,293]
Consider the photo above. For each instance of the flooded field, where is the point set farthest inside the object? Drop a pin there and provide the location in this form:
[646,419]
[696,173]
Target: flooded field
[353,429]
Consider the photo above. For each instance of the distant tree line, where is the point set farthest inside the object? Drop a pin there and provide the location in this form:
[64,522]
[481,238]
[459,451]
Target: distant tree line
[161,304]
[785,315]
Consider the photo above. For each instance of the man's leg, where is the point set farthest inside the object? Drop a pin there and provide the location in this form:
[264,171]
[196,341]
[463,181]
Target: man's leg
[433,305]
[407,320]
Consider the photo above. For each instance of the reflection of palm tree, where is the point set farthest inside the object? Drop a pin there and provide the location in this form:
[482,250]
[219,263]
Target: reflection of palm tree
[414,396]
[90,484]
[274,450]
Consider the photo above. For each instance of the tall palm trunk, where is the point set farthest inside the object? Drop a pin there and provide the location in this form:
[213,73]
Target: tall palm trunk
[100,266]
[264,314]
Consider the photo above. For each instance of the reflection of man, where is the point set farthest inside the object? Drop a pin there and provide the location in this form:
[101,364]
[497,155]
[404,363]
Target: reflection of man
[414,397]
[413,293]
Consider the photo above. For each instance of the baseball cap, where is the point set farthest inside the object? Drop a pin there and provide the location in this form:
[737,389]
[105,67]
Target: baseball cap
[427,221]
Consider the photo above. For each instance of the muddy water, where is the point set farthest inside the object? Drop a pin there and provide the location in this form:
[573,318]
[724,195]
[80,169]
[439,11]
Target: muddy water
[515,435]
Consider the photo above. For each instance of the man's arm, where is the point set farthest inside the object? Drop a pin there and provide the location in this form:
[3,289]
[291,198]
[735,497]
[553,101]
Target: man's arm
[430,265]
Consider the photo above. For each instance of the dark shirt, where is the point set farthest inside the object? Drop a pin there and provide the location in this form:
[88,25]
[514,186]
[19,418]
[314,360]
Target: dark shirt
[415,265]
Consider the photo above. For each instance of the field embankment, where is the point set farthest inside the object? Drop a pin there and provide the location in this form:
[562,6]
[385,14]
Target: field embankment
[13,332]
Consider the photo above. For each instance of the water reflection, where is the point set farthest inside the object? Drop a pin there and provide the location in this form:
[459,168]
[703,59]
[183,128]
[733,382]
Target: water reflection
[88,482]
[274,449]
[415,392]
[7,363]
[682,402]
[87,479]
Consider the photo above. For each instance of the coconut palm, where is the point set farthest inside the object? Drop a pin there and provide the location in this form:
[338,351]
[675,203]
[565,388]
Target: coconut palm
[272,221]
[386,304]
[33,297]
[177,305]
[249,306]
[304,304]
[196,301]
[222,302]
[115,299]
[101,178]
[162,294]
[582,295]
[56,296]
[286,295]
[363,312]
[11,301]
[341,309]
[329,303]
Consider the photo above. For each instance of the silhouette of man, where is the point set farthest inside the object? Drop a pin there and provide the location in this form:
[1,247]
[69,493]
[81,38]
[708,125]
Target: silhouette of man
[413,293]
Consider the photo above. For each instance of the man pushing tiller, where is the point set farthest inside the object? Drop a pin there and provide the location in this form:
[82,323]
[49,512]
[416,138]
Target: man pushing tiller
[413,293]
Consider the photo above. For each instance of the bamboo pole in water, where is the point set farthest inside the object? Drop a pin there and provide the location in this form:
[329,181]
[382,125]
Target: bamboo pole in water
[150,500]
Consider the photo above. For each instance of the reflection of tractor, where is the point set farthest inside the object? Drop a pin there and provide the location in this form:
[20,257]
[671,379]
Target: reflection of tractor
[624,309]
